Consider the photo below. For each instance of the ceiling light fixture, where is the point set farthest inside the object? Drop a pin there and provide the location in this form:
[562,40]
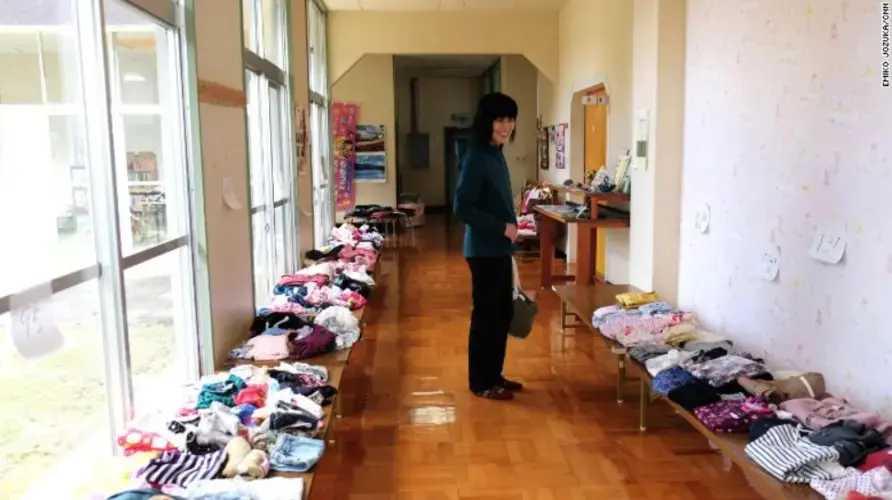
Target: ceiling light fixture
[133,77]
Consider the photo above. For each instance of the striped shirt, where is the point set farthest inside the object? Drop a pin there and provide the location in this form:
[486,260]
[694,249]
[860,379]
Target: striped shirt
[181,469]
[789,457]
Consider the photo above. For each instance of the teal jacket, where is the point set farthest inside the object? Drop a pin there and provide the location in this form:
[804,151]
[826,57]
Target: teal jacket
[484,202]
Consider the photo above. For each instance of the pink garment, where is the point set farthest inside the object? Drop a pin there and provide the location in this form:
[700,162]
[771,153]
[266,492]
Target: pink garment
[366,258]
[269,347]
[280,303]
[641,328]
[818,414]
[875,483]
[524,206]
[341,266]
[300,279]
[334,296]
[352,300]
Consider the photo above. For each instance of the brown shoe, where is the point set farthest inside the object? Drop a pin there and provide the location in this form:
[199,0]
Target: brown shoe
[511,385]
[498,393]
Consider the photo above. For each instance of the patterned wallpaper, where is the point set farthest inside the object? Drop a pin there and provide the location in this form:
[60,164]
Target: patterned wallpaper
[788,128]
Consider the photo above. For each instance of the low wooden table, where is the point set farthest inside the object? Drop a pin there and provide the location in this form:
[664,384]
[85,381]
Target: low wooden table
[582,301]
[586,242]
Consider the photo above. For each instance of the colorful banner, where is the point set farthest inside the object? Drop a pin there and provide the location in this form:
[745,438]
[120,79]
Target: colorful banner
[343,117]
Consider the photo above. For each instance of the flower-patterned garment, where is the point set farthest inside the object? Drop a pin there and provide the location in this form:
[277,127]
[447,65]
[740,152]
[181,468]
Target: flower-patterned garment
[630,329]
[670,379]
[726,369]
[281,303]
[875,483]
[733,416]
[603,314]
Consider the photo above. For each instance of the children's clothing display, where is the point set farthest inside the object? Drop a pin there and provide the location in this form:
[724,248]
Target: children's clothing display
[797,432]
[295,453]
[232,429]
[733,416]
[817,414]
[791,458]
[876,483]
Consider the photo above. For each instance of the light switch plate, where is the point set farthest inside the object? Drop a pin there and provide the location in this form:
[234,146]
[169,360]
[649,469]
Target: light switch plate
[642,132]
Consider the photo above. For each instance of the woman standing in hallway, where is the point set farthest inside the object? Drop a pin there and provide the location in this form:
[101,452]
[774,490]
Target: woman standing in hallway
[484,202]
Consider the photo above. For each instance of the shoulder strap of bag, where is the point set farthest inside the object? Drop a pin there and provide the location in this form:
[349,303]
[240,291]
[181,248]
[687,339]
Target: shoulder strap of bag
[517,289]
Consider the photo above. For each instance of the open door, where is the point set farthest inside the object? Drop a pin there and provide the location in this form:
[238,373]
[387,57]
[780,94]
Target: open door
[595,156]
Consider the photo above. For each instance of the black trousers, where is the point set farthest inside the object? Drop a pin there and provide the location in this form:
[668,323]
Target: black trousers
[492,282]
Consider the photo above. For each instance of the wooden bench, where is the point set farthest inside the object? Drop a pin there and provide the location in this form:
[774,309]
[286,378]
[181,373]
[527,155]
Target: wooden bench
[581,301]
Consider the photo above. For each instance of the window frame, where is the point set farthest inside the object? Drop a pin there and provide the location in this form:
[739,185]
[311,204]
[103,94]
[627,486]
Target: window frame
[272,75]
[321,162]
[95,111]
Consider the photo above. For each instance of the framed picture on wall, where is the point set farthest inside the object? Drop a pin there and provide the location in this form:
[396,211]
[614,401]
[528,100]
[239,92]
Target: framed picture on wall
[371,159]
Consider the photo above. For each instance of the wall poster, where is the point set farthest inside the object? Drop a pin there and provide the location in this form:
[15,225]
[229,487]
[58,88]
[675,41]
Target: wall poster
[343,117]
[560,135]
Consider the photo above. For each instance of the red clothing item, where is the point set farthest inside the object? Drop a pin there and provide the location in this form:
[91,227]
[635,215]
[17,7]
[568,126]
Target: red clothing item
[854,495]
[254,395]
[877,459]
[136,441]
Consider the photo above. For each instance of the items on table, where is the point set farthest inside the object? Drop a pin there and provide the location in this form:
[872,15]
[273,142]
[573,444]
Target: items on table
[798,432]
[233,428]
[527,226]
[305,342]
[636,299]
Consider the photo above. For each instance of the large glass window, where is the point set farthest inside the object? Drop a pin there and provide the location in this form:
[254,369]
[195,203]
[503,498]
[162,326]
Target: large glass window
[271,157]
[97,303]
[320,128]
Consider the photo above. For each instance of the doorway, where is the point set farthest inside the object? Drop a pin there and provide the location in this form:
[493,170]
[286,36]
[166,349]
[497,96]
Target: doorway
[595,139]
[456,143]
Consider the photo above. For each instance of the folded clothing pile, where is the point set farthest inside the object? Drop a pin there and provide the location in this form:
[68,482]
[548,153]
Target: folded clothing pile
[338,278]
[232,429]
[285,335]
[798,433]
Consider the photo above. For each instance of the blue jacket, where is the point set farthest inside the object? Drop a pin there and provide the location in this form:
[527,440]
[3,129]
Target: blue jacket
[484,202]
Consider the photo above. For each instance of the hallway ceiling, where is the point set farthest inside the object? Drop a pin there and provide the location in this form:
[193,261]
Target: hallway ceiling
[403,5]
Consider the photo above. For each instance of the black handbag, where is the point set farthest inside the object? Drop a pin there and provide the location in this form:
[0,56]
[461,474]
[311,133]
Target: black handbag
[525,309]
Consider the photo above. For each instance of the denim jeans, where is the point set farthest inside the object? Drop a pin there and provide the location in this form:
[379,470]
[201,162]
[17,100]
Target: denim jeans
[295,453]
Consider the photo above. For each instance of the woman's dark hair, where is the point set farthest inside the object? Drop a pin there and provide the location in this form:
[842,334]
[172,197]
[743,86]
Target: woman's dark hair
[492,107]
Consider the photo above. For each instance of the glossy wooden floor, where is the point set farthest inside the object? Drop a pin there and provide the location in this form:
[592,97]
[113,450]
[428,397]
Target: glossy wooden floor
[412,431]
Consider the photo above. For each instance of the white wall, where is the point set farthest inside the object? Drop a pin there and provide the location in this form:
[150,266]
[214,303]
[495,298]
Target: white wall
[595,47]
[227,250]
[519,79]
[440,98]
[658,83]
[354,33]
[787,129]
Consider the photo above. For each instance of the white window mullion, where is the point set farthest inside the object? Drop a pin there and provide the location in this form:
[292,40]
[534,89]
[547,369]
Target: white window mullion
[100,150]
[178,206]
